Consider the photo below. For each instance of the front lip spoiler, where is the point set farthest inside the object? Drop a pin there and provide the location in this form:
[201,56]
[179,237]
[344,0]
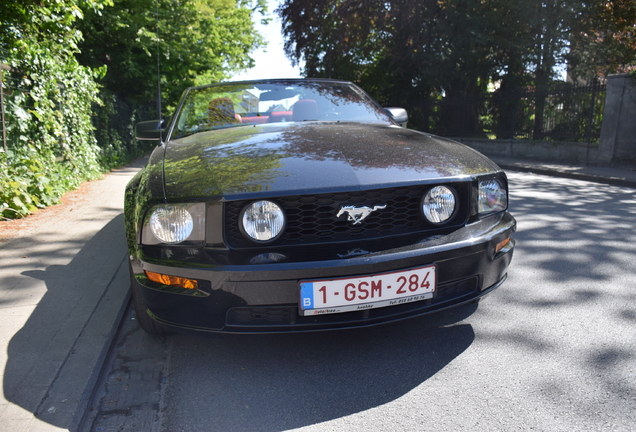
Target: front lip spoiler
[326,327]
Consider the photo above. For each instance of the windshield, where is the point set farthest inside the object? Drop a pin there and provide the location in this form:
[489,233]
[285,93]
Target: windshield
[243,104]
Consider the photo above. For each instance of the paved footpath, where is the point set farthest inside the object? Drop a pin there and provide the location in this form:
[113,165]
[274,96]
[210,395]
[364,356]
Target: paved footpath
[617,176]
[63,290]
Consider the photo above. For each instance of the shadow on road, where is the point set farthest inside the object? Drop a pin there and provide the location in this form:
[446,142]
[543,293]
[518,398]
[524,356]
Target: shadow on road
[279,382]
[569,304]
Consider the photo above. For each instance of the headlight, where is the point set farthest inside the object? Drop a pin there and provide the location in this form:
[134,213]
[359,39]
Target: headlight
[262,221]
[492,197]
[439,204]
[175,223]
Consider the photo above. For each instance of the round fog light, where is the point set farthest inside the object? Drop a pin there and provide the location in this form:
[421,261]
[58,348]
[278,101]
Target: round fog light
[262,221]
[439,204]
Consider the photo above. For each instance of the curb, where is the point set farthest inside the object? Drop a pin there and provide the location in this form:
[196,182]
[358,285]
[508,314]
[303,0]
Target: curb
[537,169]
[86,360]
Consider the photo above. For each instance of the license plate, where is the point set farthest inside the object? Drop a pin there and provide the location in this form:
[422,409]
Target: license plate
[318,297]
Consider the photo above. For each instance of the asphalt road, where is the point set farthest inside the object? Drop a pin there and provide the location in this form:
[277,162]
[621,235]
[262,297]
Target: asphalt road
[554,349]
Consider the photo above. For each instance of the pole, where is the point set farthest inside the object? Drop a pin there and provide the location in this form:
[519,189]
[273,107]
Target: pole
[3,67]
[158,67]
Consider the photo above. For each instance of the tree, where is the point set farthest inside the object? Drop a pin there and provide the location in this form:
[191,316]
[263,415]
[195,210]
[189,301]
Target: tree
[604,39]
[189,40]
[551,27]
[174,43]
[52,20]
[402,51]
[409,51]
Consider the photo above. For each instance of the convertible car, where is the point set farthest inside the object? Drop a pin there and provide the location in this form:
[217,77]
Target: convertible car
[302,205]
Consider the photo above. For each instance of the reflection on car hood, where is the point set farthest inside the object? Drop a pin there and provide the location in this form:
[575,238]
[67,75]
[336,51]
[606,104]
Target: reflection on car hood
[311,157]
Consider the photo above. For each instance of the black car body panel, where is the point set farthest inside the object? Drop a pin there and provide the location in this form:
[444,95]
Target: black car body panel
[310,169]
[311,158]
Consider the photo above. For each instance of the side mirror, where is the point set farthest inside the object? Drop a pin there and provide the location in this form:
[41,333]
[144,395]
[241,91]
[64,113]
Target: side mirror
[149,130]
[400,115]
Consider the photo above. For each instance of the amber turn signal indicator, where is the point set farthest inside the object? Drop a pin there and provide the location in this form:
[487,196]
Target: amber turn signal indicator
[502,245]
[172,280]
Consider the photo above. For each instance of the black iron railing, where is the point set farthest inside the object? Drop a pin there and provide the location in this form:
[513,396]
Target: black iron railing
[560,112]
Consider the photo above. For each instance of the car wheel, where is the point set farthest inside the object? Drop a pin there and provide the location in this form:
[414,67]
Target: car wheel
[146,323]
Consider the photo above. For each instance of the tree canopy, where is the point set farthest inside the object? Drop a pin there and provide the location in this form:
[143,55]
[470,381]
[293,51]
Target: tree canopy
[190,41]
[604,40]
[405,52]
[398,47]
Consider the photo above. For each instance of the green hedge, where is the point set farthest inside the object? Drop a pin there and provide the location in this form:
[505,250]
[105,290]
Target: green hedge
[61,129]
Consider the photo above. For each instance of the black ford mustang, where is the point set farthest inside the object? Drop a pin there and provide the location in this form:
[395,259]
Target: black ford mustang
[297,205]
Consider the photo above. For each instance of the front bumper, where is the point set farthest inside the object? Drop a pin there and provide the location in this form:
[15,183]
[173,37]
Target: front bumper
[236,295]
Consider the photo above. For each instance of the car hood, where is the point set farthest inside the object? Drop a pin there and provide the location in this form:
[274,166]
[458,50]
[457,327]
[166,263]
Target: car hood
[275,159]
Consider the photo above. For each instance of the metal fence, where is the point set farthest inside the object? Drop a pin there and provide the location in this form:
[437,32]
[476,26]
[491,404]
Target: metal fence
[561,112]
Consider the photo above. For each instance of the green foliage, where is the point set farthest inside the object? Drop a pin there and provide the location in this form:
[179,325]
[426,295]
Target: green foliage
[32,181]
[114,121]
[84,72]
[44,20]
[196,41]
[51,147]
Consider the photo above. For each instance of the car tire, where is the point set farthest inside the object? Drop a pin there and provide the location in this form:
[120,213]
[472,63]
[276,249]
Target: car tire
[146,323]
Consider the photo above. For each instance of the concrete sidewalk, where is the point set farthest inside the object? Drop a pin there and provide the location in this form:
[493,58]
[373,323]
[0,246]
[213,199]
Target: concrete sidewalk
[63,289]
[623,176]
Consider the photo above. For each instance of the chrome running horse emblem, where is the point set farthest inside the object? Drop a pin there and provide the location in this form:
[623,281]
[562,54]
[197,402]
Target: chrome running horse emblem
[358,214]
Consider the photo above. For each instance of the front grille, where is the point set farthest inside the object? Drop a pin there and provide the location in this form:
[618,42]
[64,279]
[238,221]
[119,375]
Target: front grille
[312,218]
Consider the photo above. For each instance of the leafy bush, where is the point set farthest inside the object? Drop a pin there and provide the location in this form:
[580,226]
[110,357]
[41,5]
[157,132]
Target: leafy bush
[61,131]
[114,121]
[51,145]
